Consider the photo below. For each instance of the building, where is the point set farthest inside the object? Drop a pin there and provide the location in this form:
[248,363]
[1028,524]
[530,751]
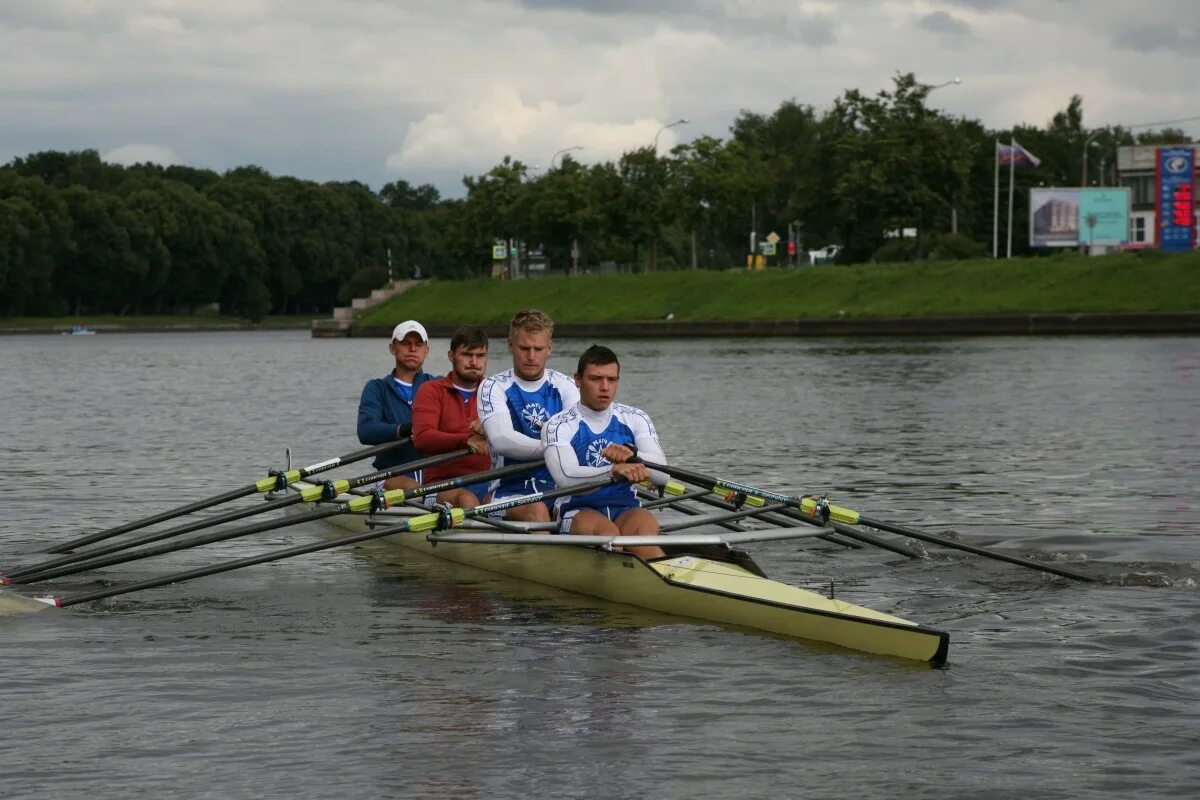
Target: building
[1136,170]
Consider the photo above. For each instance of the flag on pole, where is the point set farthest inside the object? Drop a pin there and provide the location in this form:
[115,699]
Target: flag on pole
[1016,155]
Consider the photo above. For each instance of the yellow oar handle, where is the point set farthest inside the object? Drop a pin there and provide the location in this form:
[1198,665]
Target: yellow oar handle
[670,487]
[272,482]
[728,495]
[808,505]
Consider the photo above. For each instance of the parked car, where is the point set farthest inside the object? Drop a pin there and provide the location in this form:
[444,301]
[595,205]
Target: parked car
[826,255]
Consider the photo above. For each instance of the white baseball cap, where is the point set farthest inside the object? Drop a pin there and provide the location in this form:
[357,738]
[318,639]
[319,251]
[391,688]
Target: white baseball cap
[407,327]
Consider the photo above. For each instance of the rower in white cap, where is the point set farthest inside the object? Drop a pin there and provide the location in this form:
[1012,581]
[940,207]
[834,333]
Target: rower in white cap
[385,409]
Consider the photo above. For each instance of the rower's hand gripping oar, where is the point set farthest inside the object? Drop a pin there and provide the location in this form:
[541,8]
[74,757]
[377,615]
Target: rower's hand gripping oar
[816,508]
[326,490]
[439,520]
[274,481]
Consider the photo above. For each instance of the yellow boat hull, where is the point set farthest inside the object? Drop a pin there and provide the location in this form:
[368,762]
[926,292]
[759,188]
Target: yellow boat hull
[692,586]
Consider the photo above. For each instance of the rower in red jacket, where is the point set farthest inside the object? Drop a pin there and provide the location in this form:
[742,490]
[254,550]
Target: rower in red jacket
[445,418]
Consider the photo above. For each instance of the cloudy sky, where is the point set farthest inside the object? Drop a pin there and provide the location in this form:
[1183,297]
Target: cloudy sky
[428,90]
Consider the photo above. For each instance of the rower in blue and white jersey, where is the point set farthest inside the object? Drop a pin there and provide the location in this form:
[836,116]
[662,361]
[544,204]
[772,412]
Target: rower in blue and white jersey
[596,438]
[515,404]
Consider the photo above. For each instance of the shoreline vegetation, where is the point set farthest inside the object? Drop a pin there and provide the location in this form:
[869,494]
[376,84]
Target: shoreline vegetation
[933,297]
[1134,282]
[150,323]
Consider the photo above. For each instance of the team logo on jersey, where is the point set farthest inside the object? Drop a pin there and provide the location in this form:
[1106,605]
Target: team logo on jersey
[594,459]
[534,416]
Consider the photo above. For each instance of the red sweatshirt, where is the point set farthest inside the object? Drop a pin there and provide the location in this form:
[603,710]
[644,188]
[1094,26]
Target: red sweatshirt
[441,423]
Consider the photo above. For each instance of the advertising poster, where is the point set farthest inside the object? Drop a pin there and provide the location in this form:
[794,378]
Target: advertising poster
[1074,217]
[1175,200]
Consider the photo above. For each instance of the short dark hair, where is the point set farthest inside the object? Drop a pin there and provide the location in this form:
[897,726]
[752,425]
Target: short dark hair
[599,355]
[469,336]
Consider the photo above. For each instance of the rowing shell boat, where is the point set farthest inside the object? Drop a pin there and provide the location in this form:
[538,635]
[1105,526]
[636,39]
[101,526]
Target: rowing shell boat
[703,577]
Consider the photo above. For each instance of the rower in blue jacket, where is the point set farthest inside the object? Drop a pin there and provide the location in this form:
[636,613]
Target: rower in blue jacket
[385,408]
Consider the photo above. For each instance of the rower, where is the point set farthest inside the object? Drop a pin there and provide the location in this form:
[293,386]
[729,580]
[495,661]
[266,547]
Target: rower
[446,418]
[597,437]
[515,404]
[385,408]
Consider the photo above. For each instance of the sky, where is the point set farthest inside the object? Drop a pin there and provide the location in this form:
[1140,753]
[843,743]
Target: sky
[431,90]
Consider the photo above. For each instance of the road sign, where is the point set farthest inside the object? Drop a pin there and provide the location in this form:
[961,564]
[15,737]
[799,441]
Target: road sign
[773,237]
[767,248]
[791,248]
[499,252]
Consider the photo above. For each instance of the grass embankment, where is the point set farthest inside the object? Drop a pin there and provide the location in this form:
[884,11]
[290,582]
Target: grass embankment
[113,322]
[1124,282]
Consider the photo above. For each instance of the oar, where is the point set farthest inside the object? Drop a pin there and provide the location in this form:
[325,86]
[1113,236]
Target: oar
[426,522]
[853,535]
[326,491]
[811,508]
[276,480]
[705,496]
[359,505]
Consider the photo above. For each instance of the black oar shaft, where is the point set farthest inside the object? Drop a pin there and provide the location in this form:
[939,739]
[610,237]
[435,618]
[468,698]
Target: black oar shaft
[904,530]
[276,555]
[234,494]
[155,536]
[219,519]
[717,519]
[83,562]
[146,522]
[171,547]
[227,566]
[882,525]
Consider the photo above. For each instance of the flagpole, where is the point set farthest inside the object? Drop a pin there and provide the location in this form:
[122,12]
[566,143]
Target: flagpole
[1012,170]
[996,200]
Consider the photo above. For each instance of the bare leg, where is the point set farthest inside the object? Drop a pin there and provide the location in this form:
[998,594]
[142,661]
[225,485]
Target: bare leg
[640,522]
[459,498]
[400,482]
[634,522]
[587,522]
[534,512]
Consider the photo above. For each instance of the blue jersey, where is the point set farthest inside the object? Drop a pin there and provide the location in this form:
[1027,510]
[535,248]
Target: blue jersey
[574,439]
[513,412]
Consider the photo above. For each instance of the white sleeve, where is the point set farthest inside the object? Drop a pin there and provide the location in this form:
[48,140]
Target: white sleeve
[560,457]
[648,447]
[503,438]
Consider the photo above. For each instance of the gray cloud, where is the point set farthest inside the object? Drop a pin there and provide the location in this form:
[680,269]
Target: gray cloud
[943,23]
[428,90]
[1166,36]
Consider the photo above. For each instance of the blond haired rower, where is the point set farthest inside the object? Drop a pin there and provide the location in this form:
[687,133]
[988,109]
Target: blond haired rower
[515,404]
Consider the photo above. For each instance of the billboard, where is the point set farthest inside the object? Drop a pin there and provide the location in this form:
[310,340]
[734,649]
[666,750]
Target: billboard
[1074,217]
[1175,200]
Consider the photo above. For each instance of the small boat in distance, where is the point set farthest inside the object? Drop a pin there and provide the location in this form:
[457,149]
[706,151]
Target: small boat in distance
[80,330]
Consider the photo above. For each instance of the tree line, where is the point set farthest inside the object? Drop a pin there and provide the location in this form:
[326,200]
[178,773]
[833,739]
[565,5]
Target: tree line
[82,236]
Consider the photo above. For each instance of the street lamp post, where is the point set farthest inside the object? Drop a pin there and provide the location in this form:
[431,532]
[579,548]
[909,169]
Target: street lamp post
[560,152]
[681,121]
[1083,176]
[954,82]
[953,206]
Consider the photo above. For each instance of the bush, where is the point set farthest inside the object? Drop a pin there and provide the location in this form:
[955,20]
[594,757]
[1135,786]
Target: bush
[956,247]
[255,300]
[895,251]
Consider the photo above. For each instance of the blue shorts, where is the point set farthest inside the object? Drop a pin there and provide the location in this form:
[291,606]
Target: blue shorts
[611,512]
[531,486]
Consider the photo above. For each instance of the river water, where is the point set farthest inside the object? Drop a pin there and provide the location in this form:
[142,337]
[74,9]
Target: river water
[380,673]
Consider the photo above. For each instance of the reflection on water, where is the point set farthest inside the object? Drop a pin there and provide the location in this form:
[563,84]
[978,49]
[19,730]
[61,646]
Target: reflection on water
[374,672]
